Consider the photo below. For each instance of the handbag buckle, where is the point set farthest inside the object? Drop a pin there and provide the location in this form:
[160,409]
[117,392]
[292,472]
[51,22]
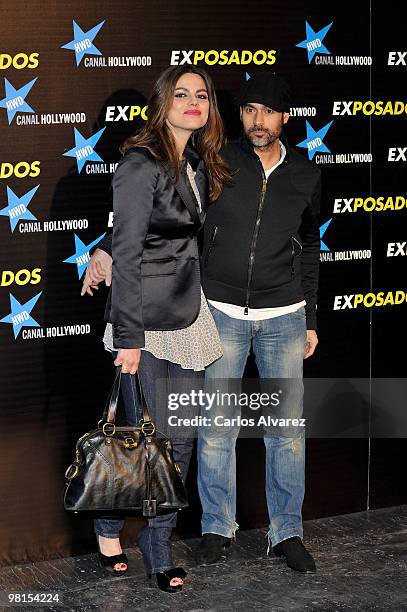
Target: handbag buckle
[130,443]
[75,472]
[111,432]
[148,428]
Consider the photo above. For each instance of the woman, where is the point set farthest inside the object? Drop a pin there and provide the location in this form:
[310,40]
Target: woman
[159,322]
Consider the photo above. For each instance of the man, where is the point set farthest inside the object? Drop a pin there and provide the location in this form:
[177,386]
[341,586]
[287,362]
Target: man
[260,260]
[259,270]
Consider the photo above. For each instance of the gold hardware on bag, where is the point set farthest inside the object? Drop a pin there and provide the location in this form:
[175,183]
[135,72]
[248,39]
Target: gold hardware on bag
[107,433]
[150,431]
[75,473]
[177,468]
[130,443]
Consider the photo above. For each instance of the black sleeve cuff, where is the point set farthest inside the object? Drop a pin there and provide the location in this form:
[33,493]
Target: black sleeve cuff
[126,340]
[106,243]
[311,319]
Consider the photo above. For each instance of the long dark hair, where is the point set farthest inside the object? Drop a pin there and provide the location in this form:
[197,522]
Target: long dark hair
[157,137]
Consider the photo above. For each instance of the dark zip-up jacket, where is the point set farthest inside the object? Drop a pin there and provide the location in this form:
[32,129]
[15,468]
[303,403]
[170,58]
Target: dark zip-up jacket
[261,237]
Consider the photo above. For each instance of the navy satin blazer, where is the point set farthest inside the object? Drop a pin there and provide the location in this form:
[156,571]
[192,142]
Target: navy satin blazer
[156,278]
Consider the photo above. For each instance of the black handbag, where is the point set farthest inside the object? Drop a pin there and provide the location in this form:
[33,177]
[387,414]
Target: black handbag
[124,468]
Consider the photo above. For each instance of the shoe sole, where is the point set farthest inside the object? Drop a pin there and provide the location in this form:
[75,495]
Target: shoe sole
[283,558]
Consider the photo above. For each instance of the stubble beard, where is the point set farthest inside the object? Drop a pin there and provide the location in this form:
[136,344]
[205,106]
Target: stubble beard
[263,142]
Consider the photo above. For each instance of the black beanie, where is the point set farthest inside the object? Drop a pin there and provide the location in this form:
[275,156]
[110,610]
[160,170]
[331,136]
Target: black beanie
[268,89]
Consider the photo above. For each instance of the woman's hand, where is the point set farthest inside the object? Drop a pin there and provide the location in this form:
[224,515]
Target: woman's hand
[129,359]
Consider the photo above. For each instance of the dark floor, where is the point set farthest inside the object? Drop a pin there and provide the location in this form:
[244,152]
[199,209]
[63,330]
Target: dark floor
[361,559]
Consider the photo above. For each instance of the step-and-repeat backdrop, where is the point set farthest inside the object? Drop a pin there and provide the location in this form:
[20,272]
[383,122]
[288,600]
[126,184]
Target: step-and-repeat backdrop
[73,84]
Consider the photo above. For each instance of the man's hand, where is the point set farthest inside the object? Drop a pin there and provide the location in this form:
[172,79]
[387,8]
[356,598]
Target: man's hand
[99,269]
[129,359]
[311,343]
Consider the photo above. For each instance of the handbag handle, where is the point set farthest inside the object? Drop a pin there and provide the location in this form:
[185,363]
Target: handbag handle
[109,413]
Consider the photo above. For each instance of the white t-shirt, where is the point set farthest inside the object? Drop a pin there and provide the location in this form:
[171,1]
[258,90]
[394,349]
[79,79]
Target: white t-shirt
[259,314]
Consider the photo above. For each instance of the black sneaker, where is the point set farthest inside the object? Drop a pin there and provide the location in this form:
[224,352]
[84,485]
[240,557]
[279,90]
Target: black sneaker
[295,554]
[211,548]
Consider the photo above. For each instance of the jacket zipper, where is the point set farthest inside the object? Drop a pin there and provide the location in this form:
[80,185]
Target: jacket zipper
[211,243]
[254,239]
[293,239]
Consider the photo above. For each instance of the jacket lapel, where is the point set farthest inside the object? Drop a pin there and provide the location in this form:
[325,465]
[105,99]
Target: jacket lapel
[201,181]
[186,196]
[184,189]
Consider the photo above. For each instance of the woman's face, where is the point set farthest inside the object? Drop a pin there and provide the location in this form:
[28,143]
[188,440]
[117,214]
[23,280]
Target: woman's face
[190,104]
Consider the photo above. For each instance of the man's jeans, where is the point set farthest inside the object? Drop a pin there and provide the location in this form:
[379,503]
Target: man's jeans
[154,538]
[278,346]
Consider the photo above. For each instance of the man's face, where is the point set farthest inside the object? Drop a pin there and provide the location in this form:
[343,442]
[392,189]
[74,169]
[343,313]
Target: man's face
[262,125]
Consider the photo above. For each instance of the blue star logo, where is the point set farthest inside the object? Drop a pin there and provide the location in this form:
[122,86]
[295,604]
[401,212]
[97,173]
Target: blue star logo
[82,42]
[313,42]
[81,256]
[17,208]
[20,314]
[83,150]
[247,76]
[322,230]
[314,140]
[14,102]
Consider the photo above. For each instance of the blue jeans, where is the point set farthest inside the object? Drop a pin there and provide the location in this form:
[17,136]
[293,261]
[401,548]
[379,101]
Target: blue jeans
[278,346]
[154,537]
